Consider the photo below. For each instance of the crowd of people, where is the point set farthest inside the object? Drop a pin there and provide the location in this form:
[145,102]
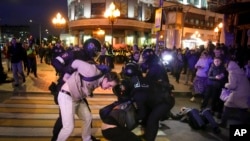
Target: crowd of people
[143,80]
[208,70]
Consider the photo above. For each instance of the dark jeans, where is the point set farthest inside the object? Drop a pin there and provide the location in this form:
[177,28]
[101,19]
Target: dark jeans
[120,134]
[213,92]
[31,66]
[152,125]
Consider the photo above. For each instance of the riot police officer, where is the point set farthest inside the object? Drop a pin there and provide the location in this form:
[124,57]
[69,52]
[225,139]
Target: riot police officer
[153,102]
[62,62]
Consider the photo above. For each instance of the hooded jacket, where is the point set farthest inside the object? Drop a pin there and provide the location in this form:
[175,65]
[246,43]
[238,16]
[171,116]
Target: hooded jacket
[239,85]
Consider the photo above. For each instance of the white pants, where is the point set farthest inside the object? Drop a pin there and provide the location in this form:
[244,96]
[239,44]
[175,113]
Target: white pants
[68,109]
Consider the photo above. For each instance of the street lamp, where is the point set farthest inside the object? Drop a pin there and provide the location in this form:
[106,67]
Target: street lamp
[218,30]
[59,21]
[112,13]
[40,32]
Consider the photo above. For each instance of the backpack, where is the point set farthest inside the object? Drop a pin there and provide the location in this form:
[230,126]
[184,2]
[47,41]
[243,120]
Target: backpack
[193,118]
[123,112]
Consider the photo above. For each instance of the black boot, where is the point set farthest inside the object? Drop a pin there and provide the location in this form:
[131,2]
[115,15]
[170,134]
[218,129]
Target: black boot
[94,138]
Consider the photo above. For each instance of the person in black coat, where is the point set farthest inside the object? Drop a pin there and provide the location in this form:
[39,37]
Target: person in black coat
[16,53]
[152,95]
[216,79]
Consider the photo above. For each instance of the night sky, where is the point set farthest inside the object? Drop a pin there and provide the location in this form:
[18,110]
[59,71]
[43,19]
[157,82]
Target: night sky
[19,12]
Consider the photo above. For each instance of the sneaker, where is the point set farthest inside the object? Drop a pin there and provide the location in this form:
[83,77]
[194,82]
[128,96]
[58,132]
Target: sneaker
[192,99]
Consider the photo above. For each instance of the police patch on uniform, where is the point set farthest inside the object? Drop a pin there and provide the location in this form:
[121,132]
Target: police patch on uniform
[65,55]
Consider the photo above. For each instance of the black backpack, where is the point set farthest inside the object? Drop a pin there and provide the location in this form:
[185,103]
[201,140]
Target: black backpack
[123,112]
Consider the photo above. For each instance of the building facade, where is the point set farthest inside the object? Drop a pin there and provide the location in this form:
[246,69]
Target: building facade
[183,23]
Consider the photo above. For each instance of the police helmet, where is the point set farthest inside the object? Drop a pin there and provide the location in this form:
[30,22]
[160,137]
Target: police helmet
[147,53]
[92,46]
[122,91]
[131,69]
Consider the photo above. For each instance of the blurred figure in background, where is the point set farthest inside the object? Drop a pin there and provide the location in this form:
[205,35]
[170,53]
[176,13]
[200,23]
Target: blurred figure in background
[41,52]
[102,56]
[16,55]
[178,64]
[110,57]
[31,59]
[192,58]
[48,54]
[57,50]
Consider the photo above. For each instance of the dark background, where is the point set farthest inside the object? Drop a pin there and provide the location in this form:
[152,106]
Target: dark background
[41,12]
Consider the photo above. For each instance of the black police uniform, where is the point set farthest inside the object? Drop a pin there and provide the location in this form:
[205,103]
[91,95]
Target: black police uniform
[157,100]
[153,102]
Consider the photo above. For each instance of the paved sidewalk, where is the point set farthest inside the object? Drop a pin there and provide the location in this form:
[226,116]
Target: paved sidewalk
[46,75]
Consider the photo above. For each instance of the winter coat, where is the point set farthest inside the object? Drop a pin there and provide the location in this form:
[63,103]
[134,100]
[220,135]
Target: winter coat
[213,72]
[202,66]
[192,60]
[240,86]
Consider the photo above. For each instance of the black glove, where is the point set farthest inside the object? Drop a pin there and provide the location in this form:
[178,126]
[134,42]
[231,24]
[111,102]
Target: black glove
[69,70]
[144,67]
[103,68]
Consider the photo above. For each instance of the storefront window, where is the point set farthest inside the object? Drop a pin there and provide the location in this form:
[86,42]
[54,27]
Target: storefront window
[197,22]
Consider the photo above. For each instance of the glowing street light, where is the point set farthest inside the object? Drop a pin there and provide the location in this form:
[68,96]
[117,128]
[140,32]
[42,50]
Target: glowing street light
[112,13]
[59,21]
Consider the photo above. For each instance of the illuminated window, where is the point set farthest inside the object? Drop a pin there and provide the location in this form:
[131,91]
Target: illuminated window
[197,22]
[192,21]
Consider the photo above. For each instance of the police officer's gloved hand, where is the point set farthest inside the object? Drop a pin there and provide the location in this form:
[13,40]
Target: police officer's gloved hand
[103,68]
[144,67]
[69,70]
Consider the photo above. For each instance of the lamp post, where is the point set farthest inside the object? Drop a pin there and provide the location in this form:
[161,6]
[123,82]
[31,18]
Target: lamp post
[39,31]
[59,21]
[218,30]
[112,13]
